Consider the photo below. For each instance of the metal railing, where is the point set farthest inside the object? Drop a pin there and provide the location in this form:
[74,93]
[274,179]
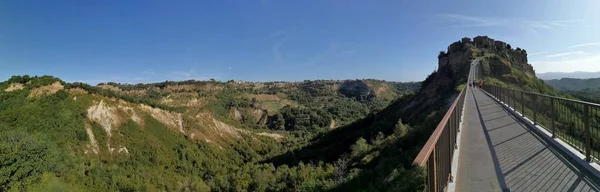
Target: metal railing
[436,155]
[575,122]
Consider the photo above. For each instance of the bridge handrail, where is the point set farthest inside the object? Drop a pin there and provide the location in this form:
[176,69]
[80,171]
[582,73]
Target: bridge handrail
[555,97]
[425,152]
[577,123]
[436,155]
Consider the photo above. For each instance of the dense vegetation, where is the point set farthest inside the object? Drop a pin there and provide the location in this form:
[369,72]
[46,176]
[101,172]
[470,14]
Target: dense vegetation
[568,84]
[43,140]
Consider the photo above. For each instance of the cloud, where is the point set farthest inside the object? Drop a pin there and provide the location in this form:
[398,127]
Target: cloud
[277,57]
[584,45]
[565,54]
[534,26]
[551,24]
[469,21]
[588,62]
[531,26]
[534,54]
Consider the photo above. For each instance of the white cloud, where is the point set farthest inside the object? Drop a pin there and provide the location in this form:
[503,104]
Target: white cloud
[584,45]
[470,21]
[277,56]
[531,26]
[589,62]
[565,54]
[534,54]
[551,24]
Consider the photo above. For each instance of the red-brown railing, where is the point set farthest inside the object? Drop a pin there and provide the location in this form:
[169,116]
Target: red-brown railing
[436,155]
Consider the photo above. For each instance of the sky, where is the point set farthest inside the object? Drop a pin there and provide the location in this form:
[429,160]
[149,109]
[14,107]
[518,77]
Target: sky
[281,40]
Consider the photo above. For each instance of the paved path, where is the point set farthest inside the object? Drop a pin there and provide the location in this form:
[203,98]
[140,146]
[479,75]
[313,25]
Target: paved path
[498,153]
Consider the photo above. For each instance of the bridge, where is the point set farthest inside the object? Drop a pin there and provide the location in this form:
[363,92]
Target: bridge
[500,139]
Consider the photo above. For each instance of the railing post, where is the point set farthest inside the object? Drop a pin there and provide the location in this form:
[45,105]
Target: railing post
[588,138]
[502,94]
[522,104]
[495,90]
[508,97]
[534,109]
[432,172]
[553,117]
[514,100]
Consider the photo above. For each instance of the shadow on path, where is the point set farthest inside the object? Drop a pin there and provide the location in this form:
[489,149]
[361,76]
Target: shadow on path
[524,161]
[499,174]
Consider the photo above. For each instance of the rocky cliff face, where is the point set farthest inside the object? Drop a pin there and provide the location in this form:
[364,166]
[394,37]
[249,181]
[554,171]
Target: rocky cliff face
[501,62]
[459,54]
[357,89]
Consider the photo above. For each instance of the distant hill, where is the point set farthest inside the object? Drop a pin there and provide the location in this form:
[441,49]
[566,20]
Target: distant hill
[573,75]
[569,84]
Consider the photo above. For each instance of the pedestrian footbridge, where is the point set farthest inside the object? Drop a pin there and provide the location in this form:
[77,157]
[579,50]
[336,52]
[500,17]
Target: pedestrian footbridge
[499,139]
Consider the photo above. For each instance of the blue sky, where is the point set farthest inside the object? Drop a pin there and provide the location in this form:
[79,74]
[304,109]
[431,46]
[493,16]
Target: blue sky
[265,40]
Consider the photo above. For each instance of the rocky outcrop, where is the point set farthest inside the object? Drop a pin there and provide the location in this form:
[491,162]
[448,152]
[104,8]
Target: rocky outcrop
[104,115]
[457,57]
[357,89]
[46,90]
[466,40]
[459,54]
[499,45]
[14,87]
[483,41]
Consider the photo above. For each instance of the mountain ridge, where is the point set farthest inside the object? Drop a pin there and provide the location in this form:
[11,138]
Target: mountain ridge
[573,75]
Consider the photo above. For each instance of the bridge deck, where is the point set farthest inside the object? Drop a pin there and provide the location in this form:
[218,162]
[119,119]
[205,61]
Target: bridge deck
[499,153]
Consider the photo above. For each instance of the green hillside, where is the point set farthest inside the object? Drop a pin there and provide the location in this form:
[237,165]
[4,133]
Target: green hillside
[196,136]
[323,135]
[568,84]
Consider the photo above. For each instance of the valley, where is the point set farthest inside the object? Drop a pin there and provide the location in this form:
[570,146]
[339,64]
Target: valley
[192,135]
[314,135]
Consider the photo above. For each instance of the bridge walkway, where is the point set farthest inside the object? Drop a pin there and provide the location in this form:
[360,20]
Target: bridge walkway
[499,153]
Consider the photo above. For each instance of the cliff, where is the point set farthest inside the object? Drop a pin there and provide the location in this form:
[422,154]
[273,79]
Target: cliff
[459,54]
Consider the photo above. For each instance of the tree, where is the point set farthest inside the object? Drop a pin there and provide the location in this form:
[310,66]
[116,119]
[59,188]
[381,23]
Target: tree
[360,147]
[508,46]
[401,129]
[279,122]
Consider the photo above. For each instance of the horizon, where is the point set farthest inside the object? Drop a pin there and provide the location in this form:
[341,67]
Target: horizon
[266,41]
[216,80]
